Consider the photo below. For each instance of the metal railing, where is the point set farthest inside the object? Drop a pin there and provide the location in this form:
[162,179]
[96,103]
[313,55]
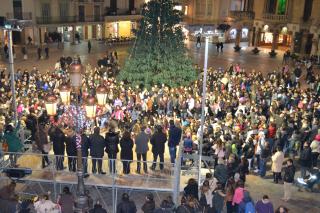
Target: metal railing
[20,16]
[242,14]
[275,17]
[158,180]
[122,12]
[68,19]
[56,19]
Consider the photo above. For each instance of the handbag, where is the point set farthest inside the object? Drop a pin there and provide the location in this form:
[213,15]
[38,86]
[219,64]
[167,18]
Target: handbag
[5,147]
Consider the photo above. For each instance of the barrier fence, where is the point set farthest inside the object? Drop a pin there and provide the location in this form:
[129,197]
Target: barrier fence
[164,178]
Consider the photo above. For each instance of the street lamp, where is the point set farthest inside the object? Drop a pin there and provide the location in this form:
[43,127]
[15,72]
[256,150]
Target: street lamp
[102,95]
[64,91]
[10,26]
[76,69]
[203,102]
[51,104]
[90,107]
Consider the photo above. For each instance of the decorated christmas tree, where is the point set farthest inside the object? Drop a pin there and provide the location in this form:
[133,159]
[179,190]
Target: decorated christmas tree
[159,54]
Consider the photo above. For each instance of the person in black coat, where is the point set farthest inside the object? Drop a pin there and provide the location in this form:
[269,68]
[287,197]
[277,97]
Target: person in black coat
[97,209]
[71,148]
[58,138]
[158,141]
[39,50]
[221,172]
[191,189]
[149,206]
[288,179]
[126,154]
[174,139]
[85,146]
[31,123]
[243,168]
[112,141]
[126,205]
[305,159]
[97,146]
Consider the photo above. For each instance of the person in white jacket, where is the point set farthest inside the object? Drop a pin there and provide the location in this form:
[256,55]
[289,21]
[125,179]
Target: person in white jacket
[44,205]
[277,161]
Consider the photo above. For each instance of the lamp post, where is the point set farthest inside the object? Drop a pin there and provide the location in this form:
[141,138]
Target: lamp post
[9,26]
[203,102]
[76,70]
[81,202]
[64,91]
[101,95]
[51,104]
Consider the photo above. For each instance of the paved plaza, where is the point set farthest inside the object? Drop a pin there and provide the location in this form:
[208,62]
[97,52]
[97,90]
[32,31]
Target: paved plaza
[245,57]
[302,201]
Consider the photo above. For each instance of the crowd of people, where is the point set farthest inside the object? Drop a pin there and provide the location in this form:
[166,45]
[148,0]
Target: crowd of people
[251,119]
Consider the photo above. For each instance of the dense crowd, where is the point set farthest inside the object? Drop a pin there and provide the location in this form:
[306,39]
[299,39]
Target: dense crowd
[251,120]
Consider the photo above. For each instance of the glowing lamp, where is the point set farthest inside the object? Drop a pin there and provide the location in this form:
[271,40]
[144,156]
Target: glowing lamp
[51,104]
[102,95]
[90,107]
[64,91]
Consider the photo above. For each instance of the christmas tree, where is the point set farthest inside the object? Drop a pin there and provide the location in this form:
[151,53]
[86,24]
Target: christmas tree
[159,54]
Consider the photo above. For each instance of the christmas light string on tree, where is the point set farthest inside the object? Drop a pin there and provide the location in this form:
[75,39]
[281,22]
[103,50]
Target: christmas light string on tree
[74,117]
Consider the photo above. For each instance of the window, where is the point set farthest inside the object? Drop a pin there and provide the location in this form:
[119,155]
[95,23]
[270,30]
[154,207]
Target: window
[17,9]
[271,6]
[64,9]
[81,13]
[307,10]
[45,10]
[209,7]
[282,7]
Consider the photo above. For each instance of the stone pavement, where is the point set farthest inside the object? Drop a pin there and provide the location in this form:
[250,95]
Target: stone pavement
[249,61]
[302,201]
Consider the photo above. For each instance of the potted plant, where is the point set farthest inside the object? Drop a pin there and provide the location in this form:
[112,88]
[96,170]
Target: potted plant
[237,48]
[272,54]
[255,51]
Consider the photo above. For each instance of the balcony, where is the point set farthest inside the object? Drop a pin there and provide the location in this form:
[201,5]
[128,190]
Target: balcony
[242,15]
[68,19]
[275,17]
[56,20]
[122,15]
[93,18]
[20,16]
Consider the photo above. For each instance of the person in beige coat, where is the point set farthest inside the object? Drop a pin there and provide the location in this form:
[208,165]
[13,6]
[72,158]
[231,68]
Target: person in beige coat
[277,161]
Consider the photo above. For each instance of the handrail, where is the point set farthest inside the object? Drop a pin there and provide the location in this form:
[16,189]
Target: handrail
[275,17]
[166,174]
[242,14]
[177,174]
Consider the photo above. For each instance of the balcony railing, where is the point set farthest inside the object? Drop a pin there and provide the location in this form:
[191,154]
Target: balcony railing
[68,19]
[275,17]
[241,14]
[121,12]
[20,16]
[93,18]
[56,19]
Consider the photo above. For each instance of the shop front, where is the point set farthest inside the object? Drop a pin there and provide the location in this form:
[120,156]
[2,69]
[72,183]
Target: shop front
[284,39]
[193,31]
[231,36]
[120,29]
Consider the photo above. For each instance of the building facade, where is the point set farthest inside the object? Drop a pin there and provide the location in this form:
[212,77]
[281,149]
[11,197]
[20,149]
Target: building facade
[90,19]
[276,24]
